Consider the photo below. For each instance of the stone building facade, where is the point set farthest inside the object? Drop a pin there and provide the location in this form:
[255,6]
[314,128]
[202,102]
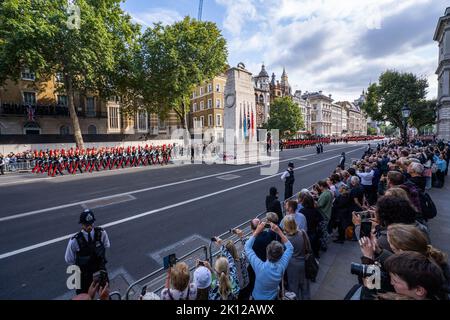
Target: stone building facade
[442,36]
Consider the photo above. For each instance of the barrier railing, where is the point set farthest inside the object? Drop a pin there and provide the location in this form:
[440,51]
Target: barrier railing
[156,279]
[20,166]
[115,294]
[229,235]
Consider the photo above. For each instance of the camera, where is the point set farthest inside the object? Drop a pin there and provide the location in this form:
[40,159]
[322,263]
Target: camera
[361,270]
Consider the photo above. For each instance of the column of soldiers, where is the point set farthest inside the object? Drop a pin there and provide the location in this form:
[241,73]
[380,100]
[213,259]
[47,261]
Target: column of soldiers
[54,162]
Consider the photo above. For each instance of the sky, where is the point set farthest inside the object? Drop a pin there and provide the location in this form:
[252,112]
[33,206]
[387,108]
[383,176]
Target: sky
[337,46]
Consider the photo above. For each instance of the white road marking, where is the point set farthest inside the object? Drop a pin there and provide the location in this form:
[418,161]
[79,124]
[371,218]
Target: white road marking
[68,205]
[144,214]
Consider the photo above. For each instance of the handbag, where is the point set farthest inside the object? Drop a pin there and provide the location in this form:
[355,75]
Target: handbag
[311,263]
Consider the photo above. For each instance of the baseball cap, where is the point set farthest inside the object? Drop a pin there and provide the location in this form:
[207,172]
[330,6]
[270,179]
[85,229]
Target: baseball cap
[202,277]
[87,217]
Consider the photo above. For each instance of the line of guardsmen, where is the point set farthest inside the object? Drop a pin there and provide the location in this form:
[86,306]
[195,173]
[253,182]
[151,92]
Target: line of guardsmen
[71,161]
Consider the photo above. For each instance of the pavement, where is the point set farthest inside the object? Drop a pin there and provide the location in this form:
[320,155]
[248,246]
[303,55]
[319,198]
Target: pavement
[334,279]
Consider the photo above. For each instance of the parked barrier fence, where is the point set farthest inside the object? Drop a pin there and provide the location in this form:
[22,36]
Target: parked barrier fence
[155,281]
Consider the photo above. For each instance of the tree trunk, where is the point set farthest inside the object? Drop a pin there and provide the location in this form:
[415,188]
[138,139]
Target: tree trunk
[73,114]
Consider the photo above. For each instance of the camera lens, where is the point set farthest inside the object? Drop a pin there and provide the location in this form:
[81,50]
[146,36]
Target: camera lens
[358,269]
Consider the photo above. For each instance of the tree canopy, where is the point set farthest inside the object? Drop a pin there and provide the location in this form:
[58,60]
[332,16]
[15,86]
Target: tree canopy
[386,99]
[41,36]
[176,59]
[285,115]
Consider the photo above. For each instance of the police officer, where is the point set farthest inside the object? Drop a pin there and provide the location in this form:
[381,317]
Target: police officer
[87,250]
[289,179]
[342,161]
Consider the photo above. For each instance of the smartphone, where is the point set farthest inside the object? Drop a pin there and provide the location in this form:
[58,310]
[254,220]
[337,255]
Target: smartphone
[365,215]
[366,229]
[100,277]
[169,261]
[267,226]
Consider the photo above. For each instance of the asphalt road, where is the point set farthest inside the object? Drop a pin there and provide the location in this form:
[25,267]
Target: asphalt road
[144,210]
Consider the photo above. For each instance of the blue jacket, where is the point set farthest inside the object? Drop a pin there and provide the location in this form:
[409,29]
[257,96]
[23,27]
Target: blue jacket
[268,274]
[441,164]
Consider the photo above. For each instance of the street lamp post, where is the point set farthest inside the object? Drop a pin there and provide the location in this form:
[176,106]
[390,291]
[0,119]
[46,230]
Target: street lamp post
[406,112]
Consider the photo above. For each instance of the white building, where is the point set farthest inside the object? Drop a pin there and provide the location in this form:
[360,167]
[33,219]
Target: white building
[442,36]
[321,121]
[305,109]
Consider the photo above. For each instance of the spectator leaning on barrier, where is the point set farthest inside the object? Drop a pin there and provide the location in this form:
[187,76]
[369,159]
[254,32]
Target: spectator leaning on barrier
[296,280]
[273,204]
[291,210]
[177,284]
[269,273]
[241,263]
[356,192]
[225,282]
[203,279]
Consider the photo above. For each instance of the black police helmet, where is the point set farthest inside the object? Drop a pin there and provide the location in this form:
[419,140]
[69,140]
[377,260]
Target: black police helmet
[87,217]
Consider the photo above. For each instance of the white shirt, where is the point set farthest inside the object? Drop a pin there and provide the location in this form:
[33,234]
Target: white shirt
[366,177]
[285,175]
[73,248]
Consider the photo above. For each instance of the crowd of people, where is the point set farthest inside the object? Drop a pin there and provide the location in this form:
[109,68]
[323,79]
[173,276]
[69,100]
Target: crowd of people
[380,202]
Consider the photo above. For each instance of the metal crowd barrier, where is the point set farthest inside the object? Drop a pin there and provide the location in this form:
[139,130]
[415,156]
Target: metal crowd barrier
[20,166]
[159,276]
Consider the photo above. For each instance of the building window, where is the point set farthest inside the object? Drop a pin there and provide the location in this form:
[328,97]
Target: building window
[195,106]
[113,118]
[218,120]
[64,130]
[92,129]
[28,75]
[90,107]
[29,98]
[31,128]
[201,91]
[209,87]
[217,103]
[202,121]
[142,120]
[62,100]
[210,120]
[162,124]
[209,103]
[218,88]
[195,122]
[202,105]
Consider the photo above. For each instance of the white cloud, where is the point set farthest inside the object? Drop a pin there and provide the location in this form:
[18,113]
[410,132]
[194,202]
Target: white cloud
[333,45]
[155,15]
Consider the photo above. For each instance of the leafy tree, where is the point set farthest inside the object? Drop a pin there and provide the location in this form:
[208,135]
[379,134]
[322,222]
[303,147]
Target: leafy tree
[42,36]
[176,59]
[371,131]
[387,130]
[386,99]
[424,114]
[285,115]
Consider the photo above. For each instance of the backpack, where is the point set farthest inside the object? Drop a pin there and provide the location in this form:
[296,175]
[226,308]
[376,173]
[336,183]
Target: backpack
[429,210]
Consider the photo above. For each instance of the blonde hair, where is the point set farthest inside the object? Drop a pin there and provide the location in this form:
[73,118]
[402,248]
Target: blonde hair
[290,225]
[179,276]
[232,250]
[407,237]
[221,267]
